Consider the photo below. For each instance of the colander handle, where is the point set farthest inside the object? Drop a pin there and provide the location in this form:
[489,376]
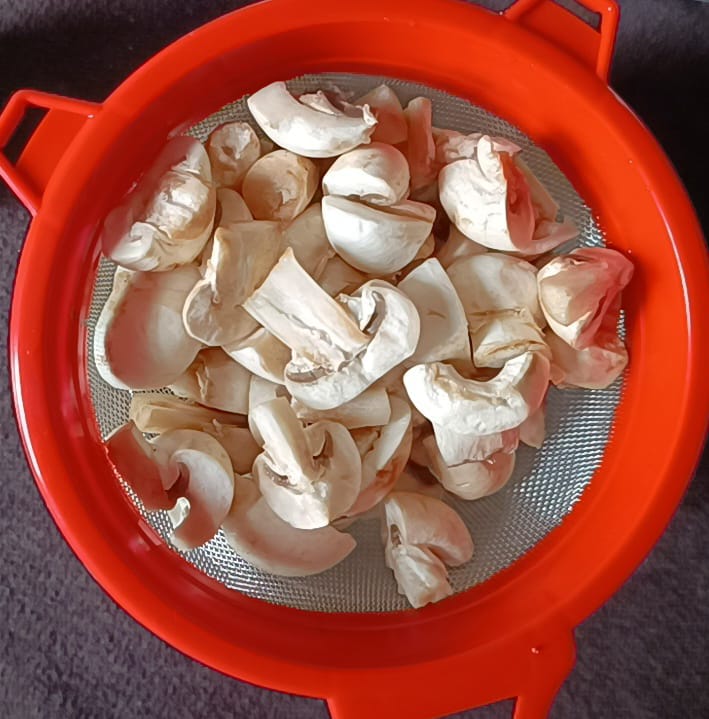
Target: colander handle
[531,672]
[569,31]
[65,116]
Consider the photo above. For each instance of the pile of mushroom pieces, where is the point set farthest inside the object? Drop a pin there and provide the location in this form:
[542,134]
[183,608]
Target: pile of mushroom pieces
[357,313]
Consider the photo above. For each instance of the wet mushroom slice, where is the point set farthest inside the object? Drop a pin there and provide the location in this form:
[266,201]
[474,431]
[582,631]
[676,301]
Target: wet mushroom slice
[420,146]
[205,486]
[261,391]
[262,354]
[306,236]
[309,131]
[280,185]
[391,123]
[499,296]
[144,467]
[215,380]
[307,476]
[488,199]
[140,341]
[384,452]
[468,406]
[242,255]
[578,290]
[444,327]
[239,444]
[473,479]
[155,413]
[456,448]
[377,174]
[166,219]
[376,240]
[372,408]
[263,539]
[422,535]
[232,148]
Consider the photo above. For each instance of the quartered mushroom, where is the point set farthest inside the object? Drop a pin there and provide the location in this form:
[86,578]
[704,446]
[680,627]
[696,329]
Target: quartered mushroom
[458,247]
[166,219]
[215,380]
[242,256]
[422,535]
[232,148]
[306,236]
[140,341]
[444,327]
[261,391]
[280,185]
[532,431]
[146,468]
[318,131]
[391,123]
[371,408]
[339,347]
[377,240]
[154,413]
[468,406]
[205,486]
[499,296]
[263,539]
[385,452]
[488,199]
[577,291]
[474,479]
[456,448]
[420,147]
[308,476]
[377,174]
[262,354]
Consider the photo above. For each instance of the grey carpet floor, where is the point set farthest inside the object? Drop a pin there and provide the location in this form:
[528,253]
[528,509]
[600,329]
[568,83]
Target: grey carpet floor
[67,651]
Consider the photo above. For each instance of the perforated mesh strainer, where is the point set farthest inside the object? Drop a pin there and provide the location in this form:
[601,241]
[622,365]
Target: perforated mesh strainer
[546,483]
[577,517]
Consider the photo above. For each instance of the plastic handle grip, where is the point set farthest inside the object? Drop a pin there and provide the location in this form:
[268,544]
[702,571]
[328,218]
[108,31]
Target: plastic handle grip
[568,31]
[531,672]
[25,178]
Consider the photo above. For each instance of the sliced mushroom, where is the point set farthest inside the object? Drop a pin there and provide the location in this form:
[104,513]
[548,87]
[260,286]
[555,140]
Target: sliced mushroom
[391,123]
[239,444]
[420,147]
[533,430]
[166,219]
[499,297]
[264,540]
[339,277]
[444,328]
[140,342]
[458,247]
[207,483]
[306,236]
[242,256]
[144,467]
[422,536]
[456,448]
[261,391]
[369,409]
[488,199]
[307,476]
[594,367]
[472,480]
[262,354]
[215,380]
[308,131]
[377,174]
[155,413]
[578,290]
[467,406]
[380,240]
[232,148]
[280,185]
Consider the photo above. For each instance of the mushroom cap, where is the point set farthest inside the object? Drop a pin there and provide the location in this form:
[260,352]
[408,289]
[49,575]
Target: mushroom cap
[458,247]
[458,448]
[420,147]
[232,148]
[380,240]
[140,341]
[532,431]
[377,174]
[239,444]
[391,124]
[231,207]
[306,236]
[308,131]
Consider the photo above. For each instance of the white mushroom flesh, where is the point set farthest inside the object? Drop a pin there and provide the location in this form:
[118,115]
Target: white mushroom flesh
[456,448]
[232,148]
[371,408]
[391,124]
[306,236]
[262,354]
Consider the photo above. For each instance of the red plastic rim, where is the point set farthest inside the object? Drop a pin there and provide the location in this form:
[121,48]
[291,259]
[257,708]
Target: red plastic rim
[615,165]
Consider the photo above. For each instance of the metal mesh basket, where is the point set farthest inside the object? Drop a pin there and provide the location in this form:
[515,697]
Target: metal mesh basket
[546,483]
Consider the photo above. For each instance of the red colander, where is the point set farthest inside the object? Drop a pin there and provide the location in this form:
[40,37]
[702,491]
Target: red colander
[508,631]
